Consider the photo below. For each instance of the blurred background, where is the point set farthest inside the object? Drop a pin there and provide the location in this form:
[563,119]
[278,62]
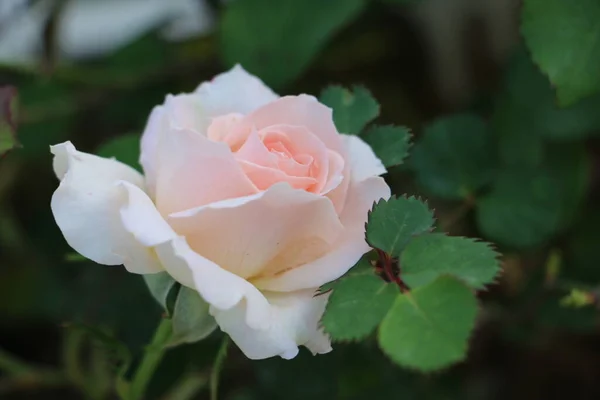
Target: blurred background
[90,72]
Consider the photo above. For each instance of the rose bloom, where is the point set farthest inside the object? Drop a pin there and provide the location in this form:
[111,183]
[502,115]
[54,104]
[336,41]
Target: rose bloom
[251,199]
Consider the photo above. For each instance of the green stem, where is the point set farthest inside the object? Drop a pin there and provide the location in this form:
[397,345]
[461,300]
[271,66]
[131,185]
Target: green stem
[152,358]
[217,367]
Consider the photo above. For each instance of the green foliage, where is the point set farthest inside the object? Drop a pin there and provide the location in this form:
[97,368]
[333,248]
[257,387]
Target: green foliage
[564,41]
[526,112]
[191,320]
[529,205]
[278,40]
[393,223]
[429,328]
[357,305]
[430,256]
[390,143]
[352,110]
[455,157]
[125,148]
[8,119]
[426,325]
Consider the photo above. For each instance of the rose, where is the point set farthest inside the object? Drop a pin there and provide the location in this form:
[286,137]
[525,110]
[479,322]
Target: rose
[251,199]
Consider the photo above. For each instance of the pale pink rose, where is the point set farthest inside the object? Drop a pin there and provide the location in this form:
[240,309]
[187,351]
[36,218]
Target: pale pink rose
[252,199]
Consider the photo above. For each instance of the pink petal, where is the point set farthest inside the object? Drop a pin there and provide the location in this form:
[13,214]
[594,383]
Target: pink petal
[195,171]
[303,110]
[347,250]
[263,234]
[265,177]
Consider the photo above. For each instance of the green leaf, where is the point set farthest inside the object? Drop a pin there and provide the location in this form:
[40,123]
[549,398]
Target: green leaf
[161,286]
[522,210]
[191,320]
[529,205]
[357,305]
[124,148]
[352,110]
[526,113]
[455,157]
[390,143]
[394,222]
[277,40]
[8,119]
[428,257]
[564,39]
[429,327]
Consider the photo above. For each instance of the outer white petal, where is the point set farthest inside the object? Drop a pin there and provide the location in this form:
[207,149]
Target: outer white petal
[347,251]
[234,91]
[262,234]
[294,321]
[363,161]
[86,209]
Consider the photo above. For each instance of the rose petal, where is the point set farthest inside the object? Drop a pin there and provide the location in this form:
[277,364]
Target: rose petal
[335,171]
[223,129]
[294,319]
[301,140]
[140,217]
[218,287]
[302,110]
[261,326]
[157,123]
[187,111]
[265,177]
[86,209]
[348,249]
[263,234]
[254,151]
[363,161]
[195,171]
[234,91]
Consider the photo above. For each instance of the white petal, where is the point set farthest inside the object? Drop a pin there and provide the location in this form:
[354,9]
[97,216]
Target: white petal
[141,218]
[234,91]
[347,251]
[86,208]
[363,161]
[263,234]
[157,123]
[294,319]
